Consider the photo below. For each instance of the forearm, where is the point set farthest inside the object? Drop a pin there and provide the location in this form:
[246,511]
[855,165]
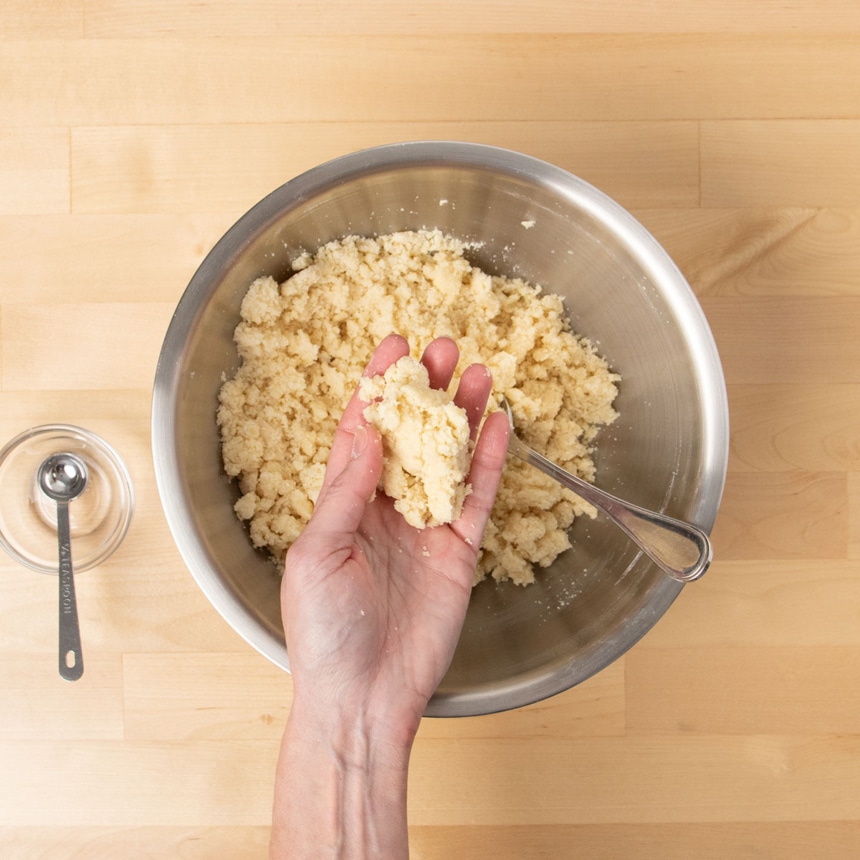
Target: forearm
[340,790]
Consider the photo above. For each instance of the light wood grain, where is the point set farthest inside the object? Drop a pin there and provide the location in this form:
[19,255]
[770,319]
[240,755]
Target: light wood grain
[210,696]
[548,77]
[610,780]
[781,163]
[809,426]
[787,339]
[35,173]
[854,515]
[108,843]
[198,783]
[59,346]
[144,18]
[83,259]
[739,841]
[780,515]
[150,169]
[787,251]
[761,604]
[92,710]
[47,19]
[781,690]
[133,133]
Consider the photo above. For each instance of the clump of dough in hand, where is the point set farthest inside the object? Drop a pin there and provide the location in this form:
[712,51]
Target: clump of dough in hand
[425,443]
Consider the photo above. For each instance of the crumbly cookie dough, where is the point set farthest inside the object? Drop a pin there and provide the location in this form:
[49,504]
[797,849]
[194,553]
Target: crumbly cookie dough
[303,345]
[425,443]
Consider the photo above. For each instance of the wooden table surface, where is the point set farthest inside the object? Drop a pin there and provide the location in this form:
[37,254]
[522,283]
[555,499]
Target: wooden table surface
[134,132]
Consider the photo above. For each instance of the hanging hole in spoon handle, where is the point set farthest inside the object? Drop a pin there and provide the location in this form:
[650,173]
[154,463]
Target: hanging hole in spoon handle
[71,658]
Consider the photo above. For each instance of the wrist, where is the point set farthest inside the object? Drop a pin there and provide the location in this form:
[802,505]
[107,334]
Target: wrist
[358,739]
[385,712]
[341,786]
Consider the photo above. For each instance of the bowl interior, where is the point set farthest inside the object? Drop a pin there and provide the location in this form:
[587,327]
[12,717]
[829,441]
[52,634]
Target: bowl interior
[667,450]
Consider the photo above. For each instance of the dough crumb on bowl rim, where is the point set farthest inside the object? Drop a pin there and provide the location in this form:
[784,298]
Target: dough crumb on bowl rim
[304,343]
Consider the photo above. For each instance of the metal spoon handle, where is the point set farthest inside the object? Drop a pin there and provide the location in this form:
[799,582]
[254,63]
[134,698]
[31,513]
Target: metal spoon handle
[680,549]
[71,659]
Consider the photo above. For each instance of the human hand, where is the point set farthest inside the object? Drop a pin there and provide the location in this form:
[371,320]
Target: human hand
[372,610]
[373,607]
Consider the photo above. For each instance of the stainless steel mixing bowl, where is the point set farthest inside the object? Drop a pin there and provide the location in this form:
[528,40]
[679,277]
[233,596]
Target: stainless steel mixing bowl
[667,451]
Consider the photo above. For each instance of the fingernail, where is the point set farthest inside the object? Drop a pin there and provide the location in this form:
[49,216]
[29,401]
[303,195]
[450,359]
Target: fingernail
[359,441]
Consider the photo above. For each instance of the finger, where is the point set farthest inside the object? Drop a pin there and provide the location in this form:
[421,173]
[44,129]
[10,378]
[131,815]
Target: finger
[389,350]
[484,476]
[473,391]
[342,501]
[440,358]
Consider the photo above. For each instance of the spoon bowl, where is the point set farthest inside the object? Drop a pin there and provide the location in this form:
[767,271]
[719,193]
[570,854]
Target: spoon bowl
[63,477]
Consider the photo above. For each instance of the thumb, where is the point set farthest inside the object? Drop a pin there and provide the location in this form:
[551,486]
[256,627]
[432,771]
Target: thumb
[341,504]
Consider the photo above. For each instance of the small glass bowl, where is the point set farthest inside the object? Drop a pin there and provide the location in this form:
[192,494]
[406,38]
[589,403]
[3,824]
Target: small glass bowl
[99,518]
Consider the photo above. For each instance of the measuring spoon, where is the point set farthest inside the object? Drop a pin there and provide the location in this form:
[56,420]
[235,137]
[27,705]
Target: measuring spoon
[62,478]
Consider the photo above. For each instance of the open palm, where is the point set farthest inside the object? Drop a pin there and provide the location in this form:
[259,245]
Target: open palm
[373,607]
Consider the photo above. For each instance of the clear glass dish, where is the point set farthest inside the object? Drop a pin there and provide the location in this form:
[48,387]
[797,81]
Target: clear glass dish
[99,518]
